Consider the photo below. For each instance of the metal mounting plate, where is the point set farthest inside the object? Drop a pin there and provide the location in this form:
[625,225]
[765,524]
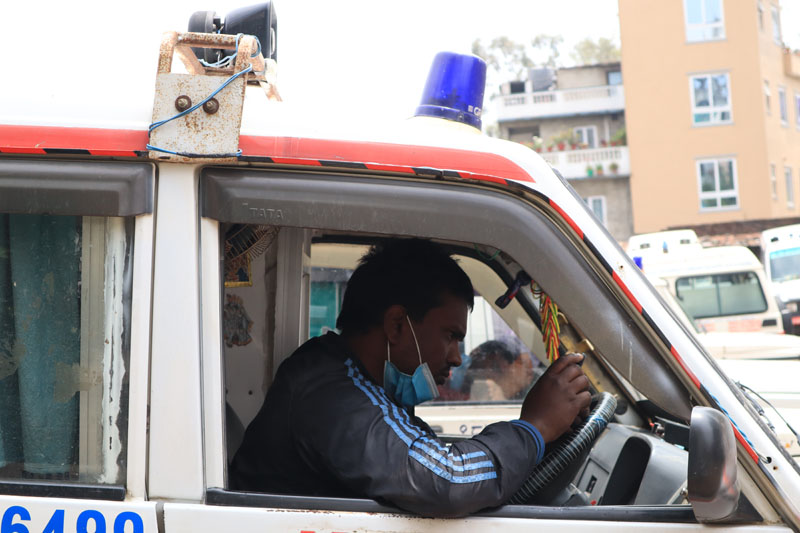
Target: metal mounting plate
[198,132]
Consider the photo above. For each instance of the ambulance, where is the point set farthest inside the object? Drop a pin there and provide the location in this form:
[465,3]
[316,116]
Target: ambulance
[780,253]
[721,288]
[154,277]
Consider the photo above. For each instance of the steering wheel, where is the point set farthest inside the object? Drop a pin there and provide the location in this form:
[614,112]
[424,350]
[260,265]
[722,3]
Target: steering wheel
[567,450]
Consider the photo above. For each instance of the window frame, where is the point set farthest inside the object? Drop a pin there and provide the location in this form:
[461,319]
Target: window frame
[767,98]
[773,179]
[603,206]
[783,106]
[797,109]
[584,130]
[715,277]
[717,194]
[789,181]
[711,109]
[88,189]
[775,17]
[298,199]
[703,26]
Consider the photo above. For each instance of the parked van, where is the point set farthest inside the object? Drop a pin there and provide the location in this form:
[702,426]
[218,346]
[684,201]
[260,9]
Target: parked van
[780,253]
[152,280]
[721,288]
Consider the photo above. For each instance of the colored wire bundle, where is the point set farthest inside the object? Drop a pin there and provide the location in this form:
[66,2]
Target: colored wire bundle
[548,310]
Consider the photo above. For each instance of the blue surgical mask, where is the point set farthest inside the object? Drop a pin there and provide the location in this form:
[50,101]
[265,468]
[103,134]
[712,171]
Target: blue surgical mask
[407,390]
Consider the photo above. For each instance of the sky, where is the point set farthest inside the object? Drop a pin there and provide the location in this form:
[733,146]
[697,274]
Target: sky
[354,61]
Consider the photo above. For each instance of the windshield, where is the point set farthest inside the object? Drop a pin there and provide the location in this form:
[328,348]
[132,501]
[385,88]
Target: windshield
[714,295]
[784,265]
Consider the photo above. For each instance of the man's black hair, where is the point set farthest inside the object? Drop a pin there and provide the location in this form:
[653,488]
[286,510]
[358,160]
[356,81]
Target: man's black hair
[414,273]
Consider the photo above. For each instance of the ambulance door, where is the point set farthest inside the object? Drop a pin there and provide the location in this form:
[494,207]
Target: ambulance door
[242,301]
[76,243]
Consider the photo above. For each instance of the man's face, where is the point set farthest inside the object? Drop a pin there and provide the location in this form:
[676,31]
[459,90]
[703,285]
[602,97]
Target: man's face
[522,372]
[438,335]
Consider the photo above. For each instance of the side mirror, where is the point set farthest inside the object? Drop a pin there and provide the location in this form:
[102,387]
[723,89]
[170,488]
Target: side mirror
[713,490]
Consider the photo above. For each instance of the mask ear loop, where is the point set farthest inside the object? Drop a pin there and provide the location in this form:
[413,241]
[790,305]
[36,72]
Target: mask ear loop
[419,353]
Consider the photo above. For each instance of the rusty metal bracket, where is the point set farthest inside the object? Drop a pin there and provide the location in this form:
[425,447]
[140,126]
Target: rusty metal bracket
[212,130]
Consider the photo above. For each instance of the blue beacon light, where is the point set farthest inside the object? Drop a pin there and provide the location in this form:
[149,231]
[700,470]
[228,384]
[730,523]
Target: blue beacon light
[454,89]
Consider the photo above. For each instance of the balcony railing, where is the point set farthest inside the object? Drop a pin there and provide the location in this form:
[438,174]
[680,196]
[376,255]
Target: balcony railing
[565,102]
[575,163]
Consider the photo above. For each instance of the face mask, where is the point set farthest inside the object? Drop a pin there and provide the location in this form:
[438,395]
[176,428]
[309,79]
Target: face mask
[407,390]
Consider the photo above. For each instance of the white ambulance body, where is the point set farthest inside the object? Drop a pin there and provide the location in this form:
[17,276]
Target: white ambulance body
[137,344]
[780,253]
[721,288]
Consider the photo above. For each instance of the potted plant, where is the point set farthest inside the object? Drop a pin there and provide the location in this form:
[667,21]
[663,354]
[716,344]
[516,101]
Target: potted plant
[599,169]
[613,167]
[563,139]
[589,171]
[620,138]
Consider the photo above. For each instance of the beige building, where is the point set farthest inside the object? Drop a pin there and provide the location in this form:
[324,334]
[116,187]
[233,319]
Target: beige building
[712,111]
[575,118]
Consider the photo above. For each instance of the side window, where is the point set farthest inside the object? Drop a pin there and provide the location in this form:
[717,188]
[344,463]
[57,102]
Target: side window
[63,327]
[587,135]
[704,20]
[783,106]
[711,102]
[718,187]
[721,295]
[776,24]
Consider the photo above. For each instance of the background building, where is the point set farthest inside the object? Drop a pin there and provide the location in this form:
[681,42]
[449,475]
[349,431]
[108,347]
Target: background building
[713,116]
[575,117]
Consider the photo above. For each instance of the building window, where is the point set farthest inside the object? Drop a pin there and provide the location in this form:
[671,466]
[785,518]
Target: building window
[586,135]
[797,110]
[766,97]
[516,87]
[597,205]
[717,181]
[789,187]
[782,105]
[704,20]
[761,16]
[711,102]
[614,77]
[773,180]
[776,24]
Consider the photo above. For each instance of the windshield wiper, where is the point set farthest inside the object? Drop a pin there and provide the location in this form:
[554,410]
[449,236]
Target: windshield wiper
[749,393]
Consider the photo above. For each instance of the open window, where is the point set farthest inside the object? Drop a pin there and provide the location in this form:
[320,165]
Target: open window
[66,261]
[313,230]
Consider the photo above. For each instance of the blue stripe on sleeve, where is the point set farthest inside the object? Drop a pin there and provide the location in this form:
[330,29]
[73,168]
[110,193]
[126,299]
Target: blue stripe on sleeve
[531,429]
[401,425]
[402,419]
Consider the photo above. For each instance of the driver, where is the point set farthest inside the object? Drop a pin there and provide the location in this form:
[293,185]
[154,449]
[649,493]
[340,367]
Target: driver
[338,420]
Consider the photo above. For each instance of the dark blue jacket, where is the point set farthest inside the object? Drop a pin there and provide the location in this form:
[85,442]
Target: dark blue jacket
[326,429]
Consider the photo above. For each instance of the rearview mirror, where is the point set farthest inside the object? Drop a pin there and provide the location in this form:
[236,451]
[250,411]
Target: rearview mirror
[712,486]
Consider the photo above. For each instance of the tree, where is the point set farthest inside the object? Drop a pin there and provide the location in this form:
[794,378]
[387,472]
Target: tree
[505,57]
[548,50]
[590,52]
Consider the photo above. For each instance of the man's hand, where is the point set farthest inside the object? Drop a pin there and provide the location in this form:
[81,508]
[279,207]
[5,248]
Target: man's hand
[557,397]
